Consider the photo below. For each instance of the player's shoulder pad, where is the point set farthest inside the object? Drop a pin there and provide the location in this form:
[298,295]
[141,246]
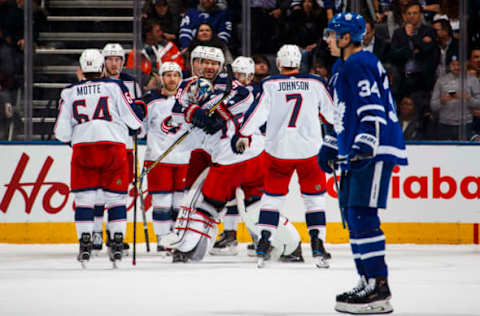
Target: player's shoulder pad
[126,77]
[152,95]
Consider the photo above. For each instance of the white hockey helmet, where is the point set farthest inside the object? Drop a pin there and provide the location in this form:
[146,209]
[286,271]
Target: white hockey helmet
[113,49]
[91,61]
[197,52]
[169,66]
[215,54]
[244,65]
[289,56]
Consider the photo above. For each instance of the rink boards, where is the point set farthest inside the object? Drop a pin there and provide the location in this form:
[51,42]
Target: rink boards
[433,200]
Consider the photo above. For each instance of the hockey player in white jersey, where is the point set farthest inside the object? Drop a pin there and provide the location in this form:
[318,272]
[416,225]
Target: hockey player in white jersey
[368,140]
[166,181]
[95,117]
[290,103]
[288,243]
[114,60]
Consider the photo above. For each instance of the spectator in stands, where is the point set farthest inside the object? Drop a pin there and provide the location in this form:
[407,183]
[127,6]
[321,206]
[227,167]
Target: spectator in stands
[305,26]
[413,51]
[409,119]
[396,16]
[448,46]
[267,17]
[206,12]
[382,9]
[206,36]
[169,22]
[430,8]
[156,50]
[446,101]
[474,70]
[450,10]
[175,7]
[373,43]
[332,7]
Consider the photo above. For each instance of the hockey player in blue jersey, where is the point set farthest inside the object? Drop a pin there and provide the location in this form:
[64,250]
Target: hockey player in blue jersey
[367,140]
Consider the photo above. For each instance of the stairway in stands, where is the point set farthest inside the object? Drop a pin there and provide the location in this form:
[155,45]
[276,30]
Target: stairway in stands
[73,25]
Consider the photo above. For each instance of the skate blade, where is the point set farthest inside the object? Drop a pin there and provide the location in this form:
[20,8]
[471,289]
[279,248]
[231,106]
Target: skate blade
[84,263]
[322,263]
[379,307]
[261,263]
[228,251]
[115,264]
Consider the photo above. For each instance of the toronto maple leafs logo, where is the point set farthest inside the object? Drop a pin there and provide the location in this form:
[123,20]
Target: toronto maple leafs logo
[338,114]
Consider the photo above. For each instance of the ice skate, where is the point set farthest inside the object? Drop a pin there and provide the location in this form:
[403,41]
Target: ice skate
[251,252]
[226,245]
[161,249]
[179,256]
[264,248]
[85,249]
[342,298]
[115,251]
[373,299]
[295,256]
[319,253]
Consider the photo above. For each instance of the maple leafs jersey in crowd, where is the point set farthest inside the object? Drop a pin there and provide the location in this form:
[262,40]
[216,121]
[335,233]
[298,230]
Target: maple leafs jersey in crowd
[92,111]
[219,20]
[290,104]
[161,134]
[357,114]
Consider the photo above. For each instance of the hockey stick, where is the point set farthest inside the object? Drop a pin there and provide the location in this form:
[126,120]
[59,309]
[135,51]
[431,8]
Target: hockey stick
[135,195]
[346,159]
[228,89]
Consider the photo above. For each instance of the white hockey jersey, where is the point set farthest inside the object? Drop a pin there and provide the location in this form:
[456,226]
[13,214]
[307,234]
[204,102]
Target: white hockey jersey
[218,145]
[135,92]
[290,104]
[93,111]
[160,133]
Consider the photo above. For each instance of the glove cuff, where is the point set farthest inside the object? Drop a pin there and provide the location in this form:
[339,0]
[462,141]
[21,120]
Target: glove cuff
[189,112]
[223,112]
[365,139]
[331,142]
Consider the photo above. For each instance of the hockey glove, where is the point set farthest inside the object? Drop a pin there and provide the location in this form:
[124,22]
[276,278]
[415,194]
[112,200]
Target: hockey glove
[196,116]
[140,109]
[215,123]
[362,152]
[328,154]
[133,132]
[240,143]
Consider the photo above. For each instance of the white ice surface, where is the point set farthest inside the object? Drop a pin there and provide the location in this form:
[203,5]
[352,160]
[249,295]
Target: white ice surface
[47,280]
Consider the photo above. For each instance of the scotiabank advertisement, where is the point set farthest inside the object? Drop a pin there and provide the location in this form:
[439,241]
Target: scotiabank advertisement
[440,185]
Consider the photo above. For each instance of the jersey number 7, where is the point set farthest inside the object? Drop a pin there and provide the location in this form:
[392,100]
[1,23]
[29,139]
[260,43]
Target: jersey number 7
[296,109]
[101,111]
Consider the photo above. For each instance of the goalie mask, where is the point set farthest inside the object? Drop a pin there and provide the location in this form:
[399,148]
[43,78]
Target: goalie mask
[289,56]
[91,61]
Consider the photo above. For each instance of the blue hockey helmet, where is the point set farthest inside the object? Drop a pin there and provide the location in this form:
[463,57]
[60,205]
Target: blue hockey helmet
[348,22]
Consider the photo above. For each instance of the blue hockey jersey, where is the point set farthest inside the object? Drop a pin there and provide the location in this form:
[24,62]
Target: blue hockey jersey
[364,107]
